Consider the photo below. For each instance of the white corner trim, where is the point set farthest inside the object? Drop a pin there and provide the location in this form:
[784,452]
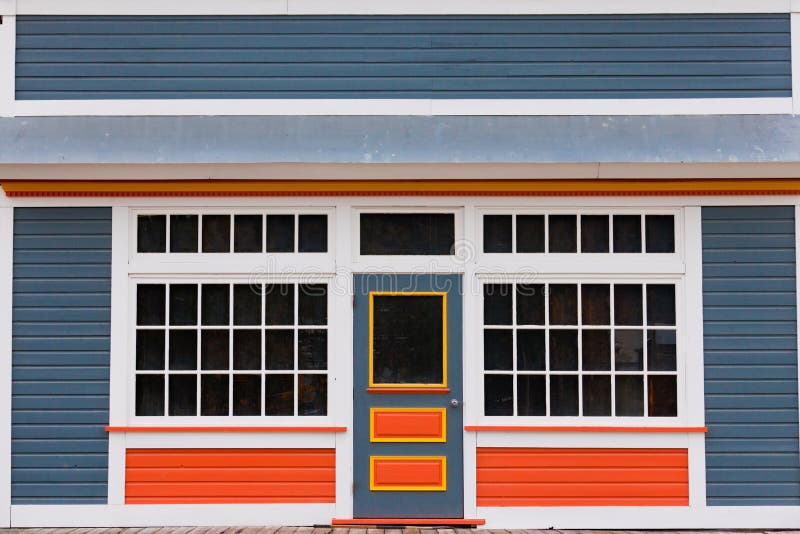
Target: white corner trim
[795,33]
[795,6]
[6,287]
[8,7]
[8,43]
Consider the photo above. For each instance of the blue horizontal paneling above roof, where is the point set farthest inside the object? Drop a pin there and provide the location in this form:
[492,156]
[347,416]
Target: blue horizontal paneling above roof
[620,56]
[750,341]
[61,337]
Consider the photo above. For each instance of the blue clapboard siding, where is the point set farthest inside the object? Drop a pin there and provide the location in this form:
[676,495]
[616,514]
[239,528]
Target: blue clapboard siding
[750,339]
[619,56]
[61,337]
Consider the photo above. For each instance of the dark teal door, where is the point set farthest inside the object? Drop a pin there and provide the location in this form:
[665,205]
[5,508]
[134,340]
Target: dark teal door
[408,428]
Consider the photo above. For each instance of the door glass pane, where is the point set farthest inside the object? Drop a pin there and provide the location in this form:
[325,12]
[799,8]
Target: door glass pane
[407,233]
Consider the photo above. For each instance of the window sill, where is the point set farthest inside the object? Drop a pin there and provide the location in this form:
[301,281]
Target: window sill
[228,429]
[520,428]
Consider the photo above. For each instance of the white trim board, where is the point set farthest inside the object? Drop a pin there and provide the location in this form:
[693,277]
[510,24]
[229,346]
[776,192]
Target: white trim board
[6,289]
[8,43]
[795,37]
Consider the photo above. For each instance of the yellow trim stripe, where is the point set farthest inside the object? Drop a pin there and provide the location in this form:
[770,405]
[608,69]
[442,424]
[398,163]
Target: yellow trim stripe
[374,487]
[443,432]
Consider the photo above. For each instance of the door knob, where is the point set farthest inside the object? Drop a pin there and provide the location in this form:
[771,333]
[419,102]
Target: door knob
[454,403]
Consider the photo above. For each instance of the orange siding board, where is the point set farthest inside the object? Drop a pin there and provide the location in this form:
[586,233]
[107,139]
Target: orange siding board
[505,457]
[581,501]
[229,500]
[230,458]
[407,424]
[236,474]
[585,475]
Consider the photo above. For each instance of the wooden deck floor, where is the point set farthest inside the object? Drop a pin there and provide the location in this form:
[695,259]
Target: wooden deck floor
[310,530]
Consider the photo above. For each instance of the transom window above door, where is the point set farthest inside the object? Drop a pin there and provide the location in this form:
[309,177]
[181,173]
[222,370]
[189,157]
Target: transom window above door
[407,234]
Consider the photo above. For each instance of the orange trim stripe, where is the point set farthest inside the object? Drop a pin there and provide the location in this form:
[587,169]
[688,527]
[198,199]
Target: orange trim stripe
[226,429]
[407,521]
[645,429]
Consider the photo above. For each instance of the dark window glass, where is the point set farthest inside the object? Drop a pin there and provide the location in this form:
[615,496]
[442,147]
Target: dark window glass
[312,349]
[661,305]
[279,304]
[151,233]
[497,303]
[280,233]
[530,304]
[182,394]
[628,350]
[183,350]
[662,396]
[531,395]
[313,233]
[563,395]
[312,306]
[407,344]
[149,394]
[497,233]
[183,304]
[246,305]
[563,304]
[628,304]
[564,350]
[629,395]
[595,304]
[563,233]
[596,395]
[279,349]
[312,395]
[247,233]
[661,350]
[627,233]
[216,233]
[530,233]
[246,349]
[498,350]
[149,350]
[531,351]
[594,233]
[183,233]
[151,304]
[407,233]
[498,394]
[659,233]
[215,304]
[246,395]
[279,395]
[596,350]
[214,395]
[214,350]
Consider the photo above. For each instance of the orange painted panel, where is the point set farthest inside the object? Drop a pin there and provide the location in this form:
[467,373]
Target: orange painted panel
[423,473]
[204,476]
[582,477]
[407,425]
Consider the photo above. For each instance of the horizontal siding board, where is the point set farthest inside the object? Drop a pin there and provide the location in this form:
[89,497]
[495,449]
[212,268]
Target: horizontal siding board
[62,461]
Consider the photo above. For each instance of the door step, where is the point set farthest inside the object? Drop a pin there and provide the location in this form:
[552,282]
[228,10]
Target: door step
[407,522]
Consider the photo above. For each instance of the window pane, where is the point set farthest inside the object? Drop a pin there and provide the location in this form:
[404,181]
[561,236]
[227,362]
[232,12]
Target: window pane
[151,304]
[214,350]
[595,304]
[661,305]
[564,350]
[629,395]
[628,304]
[596,350]
[531,395]
[183,304]
[151,233]
[407,340]
[563,304]
[313,304]
[407,233]
[215,304]
[182,394]
[313,395]
[183,350]
[497,303]
[594,233]
[627,233]
[149,394]
[312,349]
[563,395]
[563,233]
[498,350]
[246,349]
[280,233]
[279,395]
[279,349]
[247,233]
[497,233]
[246,395]
[498,395]
[246,305]
[214,395]
[661,350]
[183,233]
[279,304]
[628,350]
[660,233]
[149,350]
[596,395]
[530,233]
[313,233]
[531,352]
[216,233]
[662,396]
[530,304]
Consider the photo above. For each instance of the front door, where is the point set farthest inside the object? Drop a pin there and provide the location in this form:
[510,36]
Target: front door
[408,429]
